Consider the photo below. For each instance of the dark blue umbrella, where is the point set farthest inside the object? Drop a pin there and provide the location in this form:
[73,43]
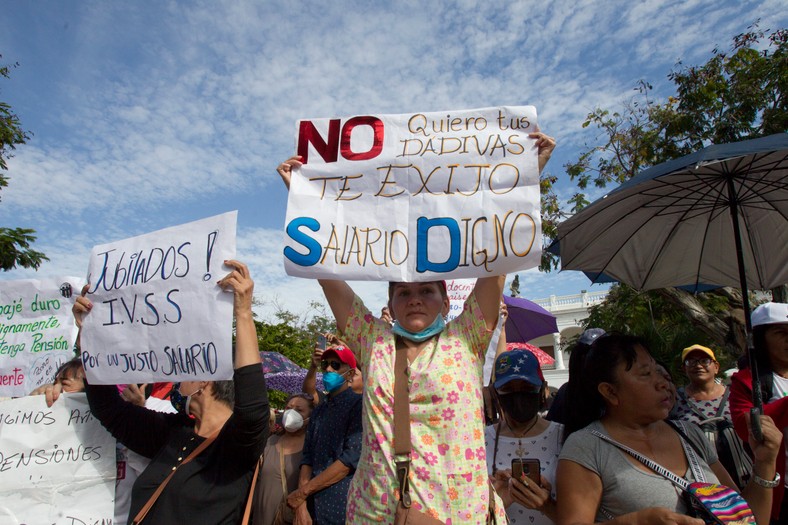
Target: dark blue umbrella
[718,216]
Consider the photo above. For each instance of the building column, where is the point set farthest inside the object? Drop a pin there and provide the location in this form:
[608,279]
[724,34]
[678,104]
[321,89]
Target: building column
[558,352]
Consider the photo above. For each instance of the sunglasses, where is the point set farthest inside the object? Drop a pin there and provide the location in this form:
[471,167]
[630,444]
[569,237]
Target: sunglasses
[704,362]
[333,363]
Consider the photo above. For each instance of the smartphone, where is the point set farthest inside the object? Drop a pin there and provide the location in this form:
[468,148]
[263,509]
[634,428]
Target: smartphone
[321,341]
[528,467]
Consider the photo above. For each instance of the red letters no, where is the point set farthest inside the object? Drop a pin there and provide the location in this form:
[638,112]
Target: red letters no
[329,149]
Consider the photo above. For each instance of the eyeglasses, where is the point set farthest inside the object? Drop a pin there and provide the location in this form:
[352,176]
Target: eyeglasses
[325,363]
[703,361]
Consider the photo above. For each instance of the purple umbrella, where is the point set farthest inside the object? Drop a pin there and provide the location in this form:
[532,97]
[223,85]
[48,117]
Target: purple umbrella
[276,363]
[290,382]
[527,320]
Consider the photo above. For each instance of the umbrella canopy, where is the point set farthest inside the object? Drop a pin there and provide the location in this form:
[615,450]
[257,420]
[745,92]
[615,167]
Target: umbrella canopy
[673,225]
[275,363]
[716,217]
[543,357]
[527,320]
[291,382]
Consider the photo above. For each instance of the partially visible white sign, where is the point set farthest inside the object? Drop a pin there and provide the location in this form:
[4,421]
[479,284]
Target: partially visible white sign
[158,314]
[458,290]
[37,331]
[57,465]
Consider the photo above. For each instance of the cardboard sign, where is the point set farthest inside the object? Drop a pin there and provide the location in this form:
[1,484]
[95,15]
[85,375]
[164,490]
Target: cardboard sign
[37,331]
[415,197]
[57,465]
[158,314]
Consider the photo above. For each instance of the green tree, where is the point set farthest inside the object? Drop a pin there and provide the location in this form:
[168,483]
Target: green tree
[14,242]
[735,95]
[294,337]
[652,316]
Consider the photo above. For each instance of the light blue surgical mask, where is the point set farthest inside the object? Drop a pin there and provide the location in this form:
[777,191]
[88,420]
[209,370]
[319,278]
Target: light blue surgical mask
[436,327]
[333,381]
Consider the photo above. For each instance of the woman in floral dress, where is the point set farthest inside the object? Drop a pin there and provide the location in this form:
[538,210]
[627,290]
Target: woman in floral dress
[448,476]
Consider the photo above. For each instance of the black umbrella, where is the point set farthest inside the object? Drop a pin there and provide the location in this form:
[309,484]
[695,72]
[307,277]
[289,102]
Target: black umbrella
[716,217]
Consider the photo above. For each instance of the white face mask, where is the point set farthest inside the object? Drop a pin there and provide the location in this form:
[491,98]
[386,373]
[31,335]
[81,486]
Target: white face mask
[292,420]
[189,400]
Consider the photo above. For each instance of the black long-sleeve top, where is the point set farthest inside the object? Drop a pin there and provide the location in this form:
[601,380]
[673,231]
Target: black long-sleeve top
[213,487]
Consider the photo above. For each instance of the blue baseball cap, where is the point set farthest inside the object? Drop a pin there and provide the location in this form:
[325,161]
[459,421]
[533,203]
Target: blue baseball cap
[518,364]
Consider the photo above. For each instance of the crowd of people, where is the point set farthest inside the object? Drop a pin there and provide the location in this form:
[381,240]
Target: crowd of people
[399,434]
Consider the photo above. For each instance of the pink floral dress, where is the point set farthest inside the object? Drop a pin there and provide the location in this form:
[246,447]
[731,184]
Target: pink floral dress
[448,476]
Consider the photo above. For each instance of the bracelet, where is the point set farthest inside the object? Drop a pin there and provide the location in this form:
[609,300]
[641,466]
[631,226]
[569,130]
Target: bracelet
[765,483]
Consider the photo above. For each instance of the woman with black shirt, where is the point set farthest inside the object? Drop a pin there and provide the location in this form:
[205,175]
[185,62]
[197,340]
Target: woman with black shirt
[212,488]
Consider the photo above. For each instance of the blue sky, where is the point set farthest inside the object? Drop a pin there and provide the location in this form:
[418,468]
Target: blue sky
[150,114]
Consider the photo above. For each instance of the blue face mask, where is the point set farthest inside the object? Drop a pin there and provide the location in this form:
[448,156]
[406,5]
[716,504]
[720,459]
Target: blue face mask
[436,327]
[333,381]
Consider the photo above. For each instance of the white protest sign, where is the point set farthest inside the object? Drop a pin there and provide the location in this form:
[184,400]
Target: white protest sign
[415,197]
[37,331]
[57,465]
[458,290]
[158,314]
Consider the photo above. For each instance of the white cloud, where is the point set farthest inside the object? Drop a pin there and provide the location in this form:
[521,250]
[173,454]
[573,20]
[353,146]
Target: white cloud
[149,114]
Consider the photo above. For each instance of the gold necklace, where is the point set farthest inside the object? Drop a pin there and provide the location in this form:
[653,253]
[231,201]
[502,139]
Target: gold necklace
[520,451]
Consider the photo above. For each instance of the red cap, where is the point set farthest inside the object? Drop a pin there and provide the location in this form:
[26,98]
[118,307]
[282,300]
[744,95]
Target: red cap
[343,353]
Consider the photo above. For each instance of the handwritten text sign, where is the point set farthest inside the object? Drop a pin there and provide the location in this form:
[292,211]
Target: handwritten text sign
[415,197]
[458,290]
[57,465]
[37,331]
[158,314]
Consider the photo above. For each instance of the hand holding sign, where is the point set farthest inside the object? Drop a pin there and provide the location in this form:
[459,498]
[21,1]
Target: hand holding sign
[285,169]
[545,145]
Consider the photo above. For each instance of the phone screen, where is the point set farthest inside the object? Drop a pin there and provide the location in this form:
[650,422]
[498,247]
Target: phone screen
[321,341]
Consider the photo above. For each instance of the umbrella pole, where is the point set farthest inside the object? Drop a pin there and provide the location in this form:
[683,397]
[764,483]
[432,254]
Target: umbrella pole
[757,398]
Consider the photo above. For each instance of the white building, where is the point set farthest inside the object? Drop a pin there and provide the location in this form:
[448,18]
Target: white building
[570,311]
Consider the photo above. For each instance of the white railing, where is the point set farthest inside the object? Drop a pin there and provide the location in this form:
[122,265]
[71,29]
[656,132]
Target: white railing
[568,302]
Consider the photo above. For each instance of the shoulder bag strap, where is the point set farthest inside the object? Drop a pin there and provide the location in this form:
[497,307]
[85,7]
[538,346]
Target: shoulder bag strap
[196,452]
[681,428]
[659,469]
[689,451]
[703,417]
[721,408]
[282,472]
[250,499]
[402,423]
[495,449]
[694,409]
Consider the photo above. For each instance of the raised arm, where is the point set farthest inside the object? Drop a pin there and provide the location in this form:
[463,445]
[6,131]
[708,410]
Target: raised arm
[240,282]
[310,380]
[488,292]
[338,293]
[340,296]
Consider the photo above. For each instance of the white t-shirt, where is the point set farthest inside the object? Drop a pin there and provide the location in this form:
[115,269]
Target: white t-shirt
[545,447]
